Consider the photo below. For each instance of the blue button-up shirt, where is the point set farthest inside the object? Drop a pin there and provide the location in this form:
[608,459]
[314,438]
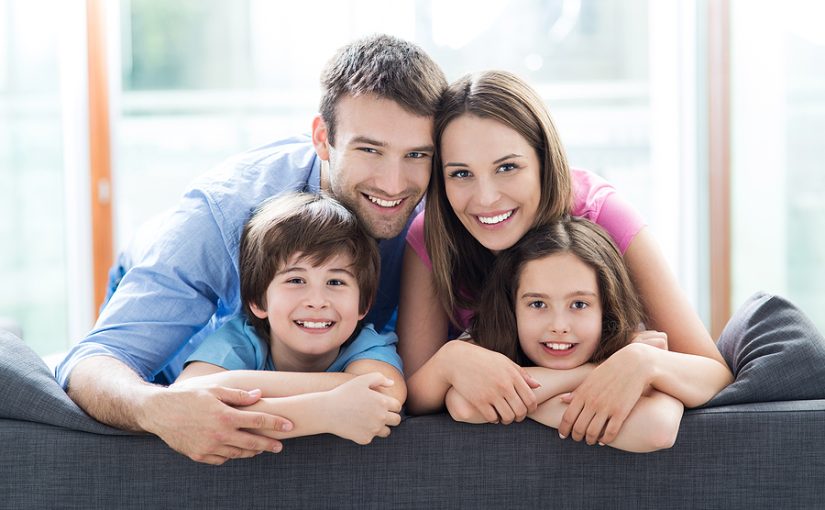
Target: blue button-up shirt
[180,277]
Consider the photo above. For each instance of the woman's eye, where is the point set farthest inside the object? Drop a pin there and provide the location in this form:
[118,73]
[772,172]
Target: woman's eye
[507,167]
[579,305]
[459,174]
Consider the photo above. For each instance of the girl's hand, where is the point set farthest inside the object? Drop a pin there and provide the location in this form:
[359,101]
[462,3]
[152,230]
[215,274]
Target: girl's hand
[499,389]
[600,405]
[653,338]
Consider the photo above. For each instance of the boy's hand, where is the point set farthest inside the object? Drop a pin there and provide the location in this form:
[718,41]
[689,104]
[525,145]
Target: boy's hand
[357,411]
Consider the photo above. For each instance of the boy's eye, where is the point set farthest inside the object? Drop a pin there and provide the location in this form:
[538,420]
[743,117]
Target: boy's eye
[459,174]
[536,304]
[579,305]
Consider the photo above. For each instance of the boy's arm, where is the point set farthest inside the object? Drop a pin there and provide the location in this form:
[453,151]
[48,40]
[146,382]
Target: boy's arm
[652,425]
[553,382]
[355,410]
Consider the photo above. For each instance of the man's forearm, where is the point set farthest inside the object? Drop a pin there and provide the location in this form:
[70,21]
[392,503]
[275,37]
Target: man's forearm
[109,391]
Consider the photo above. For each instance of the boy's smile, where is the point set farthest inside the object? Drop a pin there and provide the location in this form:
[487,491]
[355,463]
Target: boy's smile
[312,310]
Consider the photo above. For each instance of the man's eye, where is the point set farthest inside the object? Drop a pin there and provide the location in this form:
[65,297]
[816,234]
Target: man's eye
[417,155]
[368,150]
[459,174]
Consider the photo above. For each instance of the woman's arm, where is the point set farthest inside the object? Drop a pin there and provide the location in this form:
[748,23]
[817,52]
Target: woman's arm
[491,382]
[652,425]
[693,372]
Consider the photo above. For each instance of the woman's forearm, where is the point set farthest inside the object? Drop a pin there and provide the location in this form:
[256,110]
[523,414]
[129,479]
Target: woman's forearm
[692,379]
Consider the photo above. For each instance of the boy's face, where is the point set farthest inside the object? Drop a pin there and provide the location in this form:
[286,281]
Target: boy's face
[311,310]
[381,162]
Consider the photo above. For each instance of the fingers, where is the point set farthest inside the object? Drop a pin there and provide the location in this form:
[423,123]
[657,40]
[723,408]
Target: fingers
[488,412]
[376,380]
[614,425]
[518,407]
[236,397]
[393,419]
[571,415]
[595,429]
[581,425]
[527,397]
[532,383]
[504,411]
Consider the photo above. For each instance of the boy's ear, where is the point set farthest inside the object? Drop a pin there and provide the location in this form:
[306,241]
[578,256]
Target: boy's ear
[257,311]
[320,137]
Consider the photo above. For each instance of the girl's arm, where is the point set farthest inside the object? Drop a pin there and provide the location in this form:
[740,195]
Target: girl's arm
[693,372]
[652,425]
[553,383]
[495,386]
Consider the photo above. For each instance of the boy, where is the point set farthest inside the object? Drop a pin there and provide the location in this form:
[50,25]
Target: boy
[309,273]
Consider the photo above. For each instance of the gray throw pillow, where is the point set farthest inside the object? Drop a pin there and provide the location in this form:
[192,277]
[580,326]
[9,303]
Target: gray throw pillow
[29,391]
[775,352]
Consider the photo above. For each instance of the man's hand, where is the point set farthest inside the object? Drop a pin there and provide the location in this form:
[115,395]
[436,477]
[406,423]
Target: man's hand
[497,387]
[600,405]
[202,423]
[358,411]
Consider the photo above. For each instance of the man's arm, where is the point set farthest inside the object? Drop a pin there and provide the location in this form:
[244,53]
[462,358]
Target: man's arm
[197,422]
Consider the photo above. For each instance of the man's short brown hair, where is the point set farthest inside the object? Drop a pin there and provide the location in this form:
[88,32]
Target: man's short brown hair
[316,226]
[387,67]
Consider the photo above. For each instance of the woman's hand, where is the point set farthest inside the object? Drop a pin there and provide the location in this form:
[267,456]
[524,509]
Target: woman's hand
[497,387]
[600,405]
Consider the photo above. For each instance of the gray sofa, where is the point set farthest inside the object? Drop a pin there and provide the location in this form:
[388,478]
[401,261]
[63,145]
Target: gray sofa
[735,453]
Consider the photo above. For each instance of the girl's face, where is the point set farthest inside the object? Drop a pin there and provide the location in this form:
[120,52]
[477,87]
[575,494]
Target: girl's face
[558,311]
[491,176]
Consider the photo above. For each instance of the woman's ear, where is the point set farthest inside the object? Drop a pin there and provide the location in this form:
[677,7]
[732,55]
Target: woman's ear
[257,311]
[320,137]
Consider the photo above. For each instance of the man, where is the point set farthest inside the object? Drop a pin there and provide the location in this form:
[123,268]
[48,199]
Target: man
[371,147]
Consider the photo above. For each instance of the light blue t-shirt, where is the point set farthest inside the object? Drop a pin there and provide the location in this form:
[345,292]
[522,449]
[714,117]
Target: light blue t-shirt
[237,346]
[179,281]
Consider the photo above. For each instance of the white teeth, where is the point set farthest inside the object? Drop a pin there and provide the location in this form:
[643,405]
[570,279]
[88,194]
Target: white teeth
[558,347]
[383,203]
[492,220]
[313,325]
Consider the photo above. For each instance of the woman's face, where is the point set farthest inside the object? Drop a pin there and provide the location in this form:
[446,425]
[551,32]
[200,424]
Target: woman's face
[491,176]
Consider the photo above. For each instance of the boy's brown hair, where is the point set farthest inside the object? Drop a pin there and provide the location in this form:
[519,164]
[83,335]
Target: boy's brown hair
[318,227]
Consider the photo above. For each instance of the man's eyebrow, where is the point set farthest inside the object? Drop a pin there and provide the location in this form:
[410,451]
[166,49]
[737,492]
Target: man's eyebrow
[368,141]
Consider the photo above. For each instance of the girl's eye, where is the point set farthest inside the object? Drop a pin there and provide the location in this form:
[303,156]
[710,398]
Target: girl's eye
[579,305]
[507,167]
[459,174]
[335,282]
[295,280]
[536,304]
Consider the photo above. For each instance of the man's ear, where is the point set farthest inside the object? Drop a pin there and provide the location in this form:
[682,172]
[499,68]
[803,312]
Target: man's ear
[320,137]
[261,314]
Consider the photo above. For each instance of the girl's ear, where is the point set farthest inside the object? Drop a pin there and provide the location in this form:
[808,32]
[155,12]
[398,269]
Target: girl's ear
[257,311]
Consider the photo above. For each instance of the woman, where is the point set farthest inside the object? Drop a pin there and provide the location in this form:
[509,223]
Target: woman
[500,170]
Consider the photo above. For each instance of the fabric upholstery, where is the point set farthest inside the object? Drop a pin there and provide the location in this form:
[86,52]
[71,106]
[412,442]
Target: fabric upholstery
[775,352]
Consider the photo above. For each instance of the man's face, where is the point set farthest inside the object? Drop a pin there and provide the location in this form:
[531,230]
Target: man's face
[381,161]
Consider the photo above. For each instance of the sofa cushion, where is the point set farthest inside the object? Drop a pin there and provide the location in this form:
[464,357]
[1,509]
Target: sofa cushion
[775,352]
[29,391]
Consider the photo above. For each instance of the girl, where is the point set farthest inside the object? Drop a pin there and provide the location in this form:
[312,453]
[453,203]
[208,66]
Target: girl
[499,171]
[561,300]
